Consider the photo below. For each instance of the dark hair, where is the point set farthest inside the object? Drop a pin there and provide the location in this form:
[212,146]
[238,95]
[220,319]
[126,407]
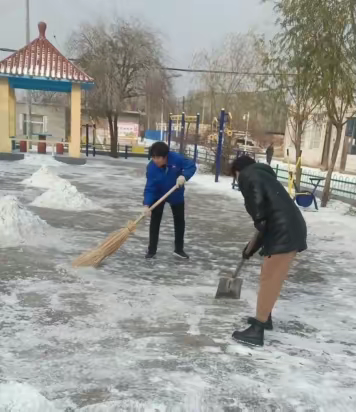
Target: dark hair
[159,149]
[241,163]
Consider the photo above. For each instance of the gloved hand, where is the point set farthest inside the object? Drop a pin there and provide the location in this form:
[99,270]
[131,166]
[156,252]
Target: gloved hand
[146,211]
[181,181]
[255,244]
[247,255]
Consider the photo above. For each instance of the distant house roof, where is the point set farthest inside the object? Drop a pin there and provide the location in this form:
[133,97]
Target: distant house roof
[41,60]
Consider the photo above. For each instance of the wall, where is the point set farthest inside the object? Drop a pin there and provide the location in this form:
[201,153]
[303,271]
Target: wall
[128,128]
[58,123]
[351,164]
[55,115]
[313,144]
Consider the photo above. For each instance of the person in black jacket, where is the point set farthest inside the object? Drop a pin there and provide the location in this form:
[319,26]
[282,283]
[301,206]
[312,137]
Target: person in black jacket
[282,234]
[269,154]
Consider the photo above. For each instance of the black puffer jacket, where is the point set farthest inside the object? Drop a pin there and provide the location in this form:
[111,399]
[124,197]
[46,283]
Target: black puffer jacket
[266,200]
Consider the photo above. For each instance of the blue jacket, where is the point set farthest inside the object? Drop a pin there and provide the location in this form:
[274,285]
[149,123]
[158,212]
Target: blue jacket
[161,180]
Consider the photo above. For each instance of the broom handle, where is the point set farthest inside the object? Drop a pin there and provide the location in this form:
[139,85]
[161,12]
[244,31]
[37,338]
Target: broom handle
[158,202]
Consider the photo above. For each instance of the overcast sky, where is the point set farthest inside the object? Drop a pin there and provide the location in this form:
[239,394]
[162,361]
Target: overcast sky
[187,26]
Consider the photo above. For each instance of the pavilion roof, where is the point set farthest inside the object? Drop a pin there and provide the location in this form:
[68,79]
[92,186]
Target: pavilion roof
[41,60]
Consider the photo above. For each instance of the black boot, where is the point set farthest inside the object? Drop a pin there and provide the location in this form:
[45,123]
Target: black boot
[267,325]
[150,255]
[254,335]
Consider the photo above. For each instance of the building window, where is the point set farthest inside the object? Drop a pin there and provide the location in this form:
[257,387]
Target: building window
[350,126]
[38,123]
[351,134]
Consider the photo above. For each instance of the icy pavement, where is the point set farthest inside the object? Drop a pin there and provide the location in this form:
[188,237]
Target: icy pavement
[149,336]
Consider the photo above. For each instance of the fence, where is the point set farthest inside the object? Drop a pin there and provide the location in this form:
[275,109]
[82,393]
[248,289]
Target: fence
[122,150]
[342,187]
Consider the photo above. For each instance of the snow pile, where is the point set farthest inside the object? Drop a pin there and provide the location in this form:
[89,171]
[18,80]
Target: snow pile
[17,224]
[64,196]
[61,194]
[43,178]
[21,397]
[39,160]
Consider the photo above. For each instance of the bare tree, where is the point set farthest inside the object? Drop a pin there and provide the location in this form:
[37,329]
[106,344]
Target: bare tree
[237,53]
[158,94]
[119,56]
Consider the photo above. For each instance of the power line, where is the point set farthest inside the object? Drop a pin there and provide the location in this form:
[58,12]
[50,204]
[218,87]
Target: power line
[227,72]
[177,69]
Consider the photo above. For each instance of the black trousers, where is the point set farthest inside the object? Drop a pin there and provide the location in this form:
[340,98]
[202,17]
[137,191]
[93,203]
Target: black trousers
[179,226]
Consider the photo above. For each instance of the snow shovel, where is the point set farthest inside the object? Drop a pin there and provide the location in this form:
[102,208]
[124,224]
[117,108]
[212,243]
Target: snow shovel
[230,285]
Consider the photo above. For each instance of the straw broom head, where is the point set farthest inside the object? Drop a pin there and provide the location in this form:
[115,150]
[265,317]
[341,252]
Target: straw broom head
[113,242]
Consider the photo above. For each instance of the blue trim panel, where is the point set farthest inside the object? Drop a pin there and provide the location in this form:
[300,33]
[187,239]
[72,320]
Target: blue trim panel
[38,83]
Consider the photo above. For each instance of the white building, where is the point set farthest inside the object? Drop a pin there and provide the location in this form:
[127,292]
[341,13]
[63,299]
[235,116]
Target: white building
[318,140]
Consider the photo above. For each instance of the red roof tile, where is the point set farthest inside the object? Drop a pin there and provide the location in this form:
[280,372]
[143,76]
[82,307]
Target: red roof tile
[41,59]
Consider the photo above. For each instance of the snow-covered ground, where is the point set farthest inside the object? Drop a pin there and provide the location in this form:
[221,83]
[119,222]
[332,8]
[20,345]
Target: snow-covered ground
[135,335]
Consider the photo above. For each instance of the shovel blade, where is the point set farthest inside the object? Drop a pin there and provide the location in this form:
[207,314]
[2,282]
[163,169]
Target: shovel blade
[229,288]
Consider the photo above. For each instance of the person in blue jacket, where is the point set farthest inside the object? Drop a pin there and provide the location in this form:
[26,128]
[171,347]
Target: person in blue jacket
[165,170]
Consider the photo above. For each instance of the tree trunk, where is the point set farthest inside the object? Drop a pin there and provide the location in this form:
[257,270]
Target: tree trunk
[327,184]
[115,129]
[113,132]
[326,146]
[342,166]
[298,142]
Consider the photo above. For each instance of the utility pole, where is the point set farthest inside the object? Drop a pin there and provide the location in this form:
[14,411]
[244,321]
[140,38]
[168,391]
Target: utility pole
[162,121]
[28,122]
[247,118]
[203,113]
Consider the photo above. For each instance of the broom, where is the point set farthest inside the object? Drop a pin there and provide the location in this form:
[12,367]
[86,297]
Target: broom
[115,240]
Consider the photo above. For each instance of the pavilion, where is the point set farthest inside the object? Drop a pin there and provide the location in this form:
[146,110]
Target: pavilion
[40,66]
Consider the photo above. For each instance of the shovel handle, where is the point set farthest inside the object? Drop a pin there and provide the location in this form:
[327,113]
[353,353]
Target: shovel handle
[249,248]
[253,241]
[158,202]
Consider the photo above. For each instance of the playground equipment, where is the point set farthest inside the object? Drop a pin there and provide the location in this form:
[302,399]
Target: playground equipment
[93,127]
[213,138]
[184,119]
[303,198]
[225,118]
[292,174]
[306,197]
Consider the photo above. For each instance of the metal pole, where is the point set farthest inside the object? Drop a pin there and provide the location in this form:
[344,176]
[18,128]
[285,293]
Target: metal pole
[29,109]
[182,132]
[247,129]
[202,120]
[196,136]
[94,139]
[170,124]
[161,124]
[220,143]
[87,138]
